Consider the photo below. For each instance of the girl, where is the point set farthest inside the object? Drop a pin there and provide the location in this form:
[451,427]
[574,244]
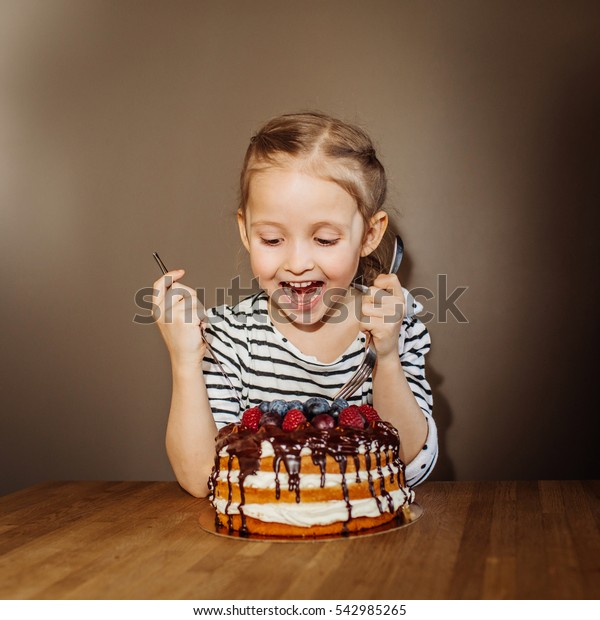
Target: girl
[311,218]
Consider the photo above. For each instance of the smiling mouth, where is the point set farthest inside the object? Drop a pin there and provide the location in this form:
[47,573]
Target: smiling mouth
[302,294]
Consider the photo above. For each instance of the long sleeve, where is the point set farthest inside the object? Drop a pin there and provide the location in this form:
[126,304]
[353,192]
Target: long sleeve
[414,344]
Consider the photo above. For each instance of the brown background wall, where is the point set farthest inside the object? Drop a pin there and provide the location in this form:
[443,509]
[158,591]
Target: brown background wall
[122,129]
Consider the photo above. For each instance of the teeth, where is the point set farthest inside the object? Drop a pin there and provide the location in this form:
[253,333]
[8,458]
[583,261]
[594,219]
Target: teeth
[300,284]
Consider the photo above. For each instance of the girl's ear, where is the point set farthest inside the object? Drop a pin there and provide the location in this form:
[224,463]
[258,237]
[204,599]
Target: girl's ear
[242,226]
[377,227]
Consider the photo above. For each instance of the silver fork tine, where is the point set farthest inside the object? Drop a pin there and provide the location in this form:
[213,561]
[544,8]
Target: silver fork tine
[367,368]
[355,382]
[361,374]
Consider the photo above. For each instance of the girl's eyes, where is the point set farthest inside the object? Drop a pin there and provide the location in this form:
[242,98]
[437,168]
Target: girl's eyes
[323,242]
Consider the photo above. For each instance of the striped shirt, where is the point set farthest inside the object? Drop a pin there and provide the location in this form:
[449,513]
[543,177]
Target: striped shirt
[263,365]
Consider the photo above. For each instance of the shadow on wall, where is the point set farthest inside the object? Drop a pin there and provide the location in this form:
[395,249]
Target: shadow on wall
[442,414]
[571,192]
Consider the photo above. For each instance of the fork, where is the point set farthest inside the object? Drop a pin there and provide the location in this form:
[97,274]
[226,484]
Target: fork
[366,367]
[202,334]
[362,373]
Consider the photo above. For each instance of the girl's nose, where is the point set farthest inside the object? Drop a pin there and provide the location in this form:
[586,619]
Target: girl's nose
[299,258]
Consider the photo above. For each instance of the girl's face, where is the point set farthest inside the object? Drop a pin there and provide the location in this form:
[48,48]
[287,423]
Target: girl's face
[305,237]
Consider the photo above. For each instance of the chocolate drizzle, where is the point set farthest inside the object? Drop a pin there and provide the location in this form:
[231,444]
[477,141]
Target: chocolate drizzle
[287,451]
[340,443]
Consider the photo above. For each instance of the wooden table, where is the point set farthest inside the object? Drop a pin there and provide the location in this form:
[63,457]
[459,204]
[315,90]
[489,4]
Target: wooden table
[141,540]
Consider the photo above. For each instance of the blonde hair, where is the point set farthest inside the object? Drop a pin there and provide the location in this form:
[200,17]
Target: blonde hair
[330,149]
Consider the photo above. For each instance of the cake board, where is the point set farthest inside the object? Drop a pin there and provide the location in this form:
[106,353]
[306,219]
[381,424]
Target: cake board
[208,524]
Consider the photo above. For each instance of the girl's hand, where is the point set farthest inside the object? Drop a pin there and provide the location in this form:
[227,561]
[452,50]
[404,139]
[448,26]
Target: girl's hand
[178,314]
[383,309]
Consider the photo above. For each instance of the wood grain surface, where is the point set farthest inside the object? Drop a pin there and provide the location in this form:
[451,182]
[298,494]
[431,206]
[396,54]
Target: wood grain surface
[141,540]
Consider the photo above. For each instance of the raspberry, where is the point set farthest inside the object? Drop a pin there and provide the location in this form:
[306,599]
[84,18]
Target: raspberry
[368,413]
[250,418]
[351,417]
[293,419]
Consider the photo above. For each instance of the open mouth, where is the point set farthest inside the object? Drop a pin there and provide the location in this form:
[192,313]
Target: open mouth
[302,295]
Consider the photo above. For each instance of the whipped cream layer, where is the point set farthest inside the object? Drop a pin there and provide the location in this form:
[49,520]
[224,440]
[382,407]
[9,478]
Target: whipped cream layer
[316,513]
[267,479]
[266,449]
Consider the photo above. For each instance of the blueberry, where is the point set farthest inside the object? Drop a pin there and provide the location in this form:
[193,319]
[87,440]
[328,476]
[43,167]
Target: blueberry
[264,406]
[316,400]
[295,404]
[316,406]
[279,407]
[338,405]
[270,419]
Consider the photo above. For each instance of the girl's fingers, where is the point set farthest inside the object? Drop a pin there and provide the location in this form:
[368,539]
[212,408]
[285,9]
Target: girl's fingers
[176,302]
[184,303]
[389,314]
[385,298]
[390,282]
[366,326]
[384,305]
[383,309]
[166,282]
